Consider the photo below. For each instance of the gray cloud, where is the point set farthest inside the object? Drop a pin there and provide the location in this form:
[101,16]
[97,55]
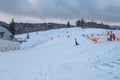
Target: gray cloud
[105,10]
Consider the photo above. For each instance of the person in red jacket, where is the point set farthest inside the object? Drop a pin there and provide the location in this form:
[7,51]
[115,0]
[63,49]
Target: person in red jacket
[113,36]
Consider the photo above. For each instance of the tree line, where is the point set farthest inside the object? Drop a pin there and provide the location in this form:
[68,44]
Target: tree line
[91,24]
[20,28]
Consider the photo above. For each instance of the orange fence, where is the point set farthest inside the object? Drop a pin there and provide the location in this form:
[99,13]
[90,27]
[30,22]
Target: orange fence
[100,38]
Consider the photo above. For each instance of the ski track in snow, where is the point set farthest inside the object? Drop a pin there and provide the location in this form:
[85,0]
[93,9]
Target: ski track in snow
[109,65]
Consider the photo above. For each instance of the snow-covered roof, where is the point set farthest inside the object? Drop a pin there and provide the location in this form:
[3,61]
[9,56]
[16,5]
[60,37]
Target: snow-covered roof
[5,33]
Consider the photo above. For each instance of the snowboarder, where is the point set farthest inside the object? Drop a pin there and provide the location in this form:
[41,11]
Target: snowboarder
[76,43]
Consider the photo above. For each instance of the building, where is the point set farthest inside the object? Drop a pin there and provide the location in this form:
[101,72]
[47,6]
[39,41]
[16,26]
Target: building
[6,41]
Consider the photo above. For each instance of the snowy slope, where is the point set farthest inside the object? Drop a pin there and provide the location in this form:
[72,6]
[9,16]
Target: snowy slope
[44,58]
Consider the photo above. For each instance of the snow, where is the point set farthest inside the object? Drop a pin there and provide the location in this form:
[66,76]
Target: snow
[44,58]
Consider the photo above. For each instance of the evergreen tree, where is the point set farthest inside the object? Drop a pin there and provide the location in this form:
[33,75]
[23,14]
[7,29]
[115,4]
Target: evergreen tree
[12,27]
[82,22]
[68,24]
[78,23]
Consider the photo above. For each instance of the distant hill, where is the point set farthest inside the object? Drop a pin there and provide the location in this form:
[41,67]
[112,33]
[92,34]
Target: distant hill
[4,24]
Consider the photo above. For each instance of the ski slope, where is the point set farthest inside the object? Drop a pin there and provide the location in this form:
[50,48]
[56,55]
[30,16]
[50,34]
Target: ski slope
[51,55]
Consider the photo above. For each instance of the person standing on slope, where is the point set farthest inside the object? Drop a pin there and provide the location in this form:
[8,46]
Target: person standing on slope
[76,43]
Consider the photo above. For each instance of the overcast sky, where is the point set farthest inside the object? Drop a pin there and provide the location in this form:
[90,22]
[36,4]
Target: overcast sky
[107,11]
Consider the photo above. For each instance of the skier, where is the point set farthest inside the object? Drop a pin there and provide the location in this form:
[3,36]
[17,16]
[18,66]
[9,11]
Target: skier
[76,43]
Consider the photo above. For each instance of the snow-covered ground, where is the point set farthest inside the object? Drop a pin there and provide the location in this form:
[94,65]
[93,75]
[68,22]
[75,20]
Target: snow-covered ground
[51,55]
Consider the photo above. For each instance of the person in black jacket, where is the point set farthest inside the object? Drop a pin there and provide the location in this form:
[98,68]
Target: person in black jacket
[76,43]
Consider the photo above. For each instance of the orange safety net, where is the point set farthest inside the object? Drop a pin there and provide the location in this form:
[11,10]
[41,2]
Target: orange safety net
[101,38]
